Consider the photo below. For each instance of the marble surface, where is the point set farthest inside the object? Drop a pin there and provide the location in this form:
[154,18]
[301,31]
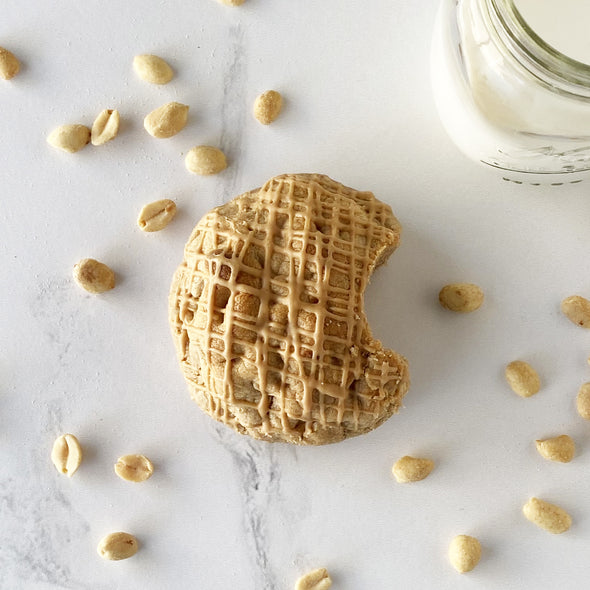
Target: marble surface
[223,511]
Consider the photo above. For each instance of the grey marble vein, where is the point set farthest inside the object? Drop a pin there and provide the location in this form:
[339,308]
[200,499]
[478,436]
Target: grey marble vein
[260,477]
[39,524]
[55,316]
[233,110]
[38,521]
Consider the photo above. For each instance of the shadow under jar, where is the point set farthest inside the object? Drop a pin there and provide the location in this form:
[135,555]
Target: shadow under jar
[508,98]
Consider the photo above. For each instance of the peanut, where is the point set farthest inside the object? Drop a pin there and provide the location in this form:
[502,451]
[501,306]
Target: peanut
[66,454]
[318,579]
[408,469]
[583,401]
[9,64]
[560,448]
[267,106]
[94,276]
[547,516]
[232,2]
[105,127]
[522,378]
[461,297]
[152,68]
[157,215]
[117,546]
[577,310]
[167,120]
[69,138]
[134,468]
[464,553]
[205,160]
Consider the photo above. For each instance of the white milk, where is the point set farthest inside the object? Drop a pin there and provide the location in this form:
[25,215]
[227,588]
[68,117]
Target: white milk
[498,115]
[563,24]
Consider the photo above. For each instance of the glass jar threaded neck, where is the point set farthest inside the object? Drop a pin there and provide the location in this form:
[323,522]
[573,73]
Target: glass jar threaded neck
[521,43]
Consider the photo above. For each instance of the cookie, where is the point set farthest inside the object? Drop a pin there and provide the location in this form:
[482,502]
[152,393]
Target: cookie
[267,312]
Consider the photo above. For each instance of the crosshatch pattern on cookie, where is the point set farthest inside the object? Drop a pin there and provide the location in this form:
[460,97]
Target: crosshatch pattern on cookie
[267,312]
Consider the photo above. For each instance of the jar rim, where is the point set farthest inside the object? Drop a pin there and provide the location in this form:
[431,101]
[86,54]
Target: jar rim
[553,68]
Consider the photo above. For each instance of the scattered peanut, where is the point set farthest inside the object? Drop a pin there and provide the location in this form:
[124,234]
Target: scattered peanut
[167,120]
[9,64]
[69,138]
[461,297]
[464,553]
[157,215]
[205,160]
[105,127]
[408,469]
[134,468]
[267,106]
[152,68]
[66,454]
[117,546]
[522,378]
[318,579]
[548,516]
[94,276]
[560,448]
[583,401]
[577,310]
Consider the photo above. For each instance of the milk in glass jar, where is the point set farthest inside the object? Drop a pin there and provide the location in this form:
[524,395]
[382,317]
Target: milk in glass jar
[511,82]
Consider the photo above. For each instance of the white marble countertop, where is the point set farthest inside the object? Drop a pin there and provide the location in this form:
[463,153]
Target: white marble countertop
[223,511]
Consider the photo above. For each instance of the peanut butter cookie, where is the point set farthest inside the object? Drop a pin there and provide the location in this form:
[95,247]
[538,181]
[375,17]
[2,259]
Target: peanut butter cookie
[267,312]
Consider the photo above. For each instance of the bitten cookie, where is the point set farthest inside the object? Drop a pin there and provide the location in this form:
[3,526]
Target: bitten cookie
[267,312]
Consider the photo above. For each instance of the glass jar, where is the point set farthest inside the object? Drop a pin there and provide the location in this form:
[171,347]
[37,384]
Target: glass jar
[507,98]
